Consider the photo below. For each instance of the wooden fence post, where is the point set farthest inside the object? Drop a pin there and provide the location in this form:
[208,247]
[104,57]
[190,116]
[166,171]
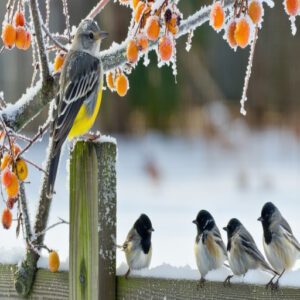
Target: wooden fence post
[93,221]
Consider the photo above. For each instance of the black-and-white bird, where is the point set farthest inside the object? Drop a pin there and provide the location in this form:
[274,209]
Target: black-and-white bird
[138,246]
[243,254]
[210,251]
[281,247]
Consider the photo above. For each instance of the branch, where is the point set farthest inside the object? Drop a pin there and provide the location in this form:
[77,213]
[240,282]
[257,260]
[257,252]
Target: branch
[97,9]
[35,15]
[25,214]
[53,40]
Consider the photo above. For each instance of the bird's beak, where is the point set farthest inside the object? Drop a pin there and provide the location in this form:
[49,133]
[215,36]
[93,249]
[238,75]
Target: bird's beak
[103,35]
[194,221]
[151,230]
[225,228]
[260,219]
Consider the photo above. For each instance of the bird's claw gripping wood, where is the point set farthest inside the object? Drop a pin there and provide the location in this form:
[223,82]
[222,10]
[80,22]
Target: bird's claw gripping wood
[201,283]
[227,281]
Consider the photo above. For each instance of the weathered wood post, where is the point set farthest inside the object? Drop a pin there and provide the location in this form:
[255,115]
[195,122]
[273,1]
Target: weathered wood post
[93,220]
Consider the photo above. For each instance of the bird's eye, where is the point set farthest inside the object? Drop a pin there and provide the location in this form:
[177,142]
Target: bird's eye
[91,35]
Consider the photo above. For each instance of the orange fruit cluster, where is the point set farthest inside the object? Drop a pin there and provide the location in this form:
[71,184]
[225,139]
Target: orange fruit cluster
[53,261]
[16,34]
[117,82]
[59,61]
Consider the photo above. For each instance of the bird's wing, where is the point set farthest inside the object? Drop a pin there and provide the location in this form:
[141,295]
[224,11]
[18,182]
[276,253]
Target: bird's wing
[219,240]
[249,246]
[288,234]
[80,80]
[132,236]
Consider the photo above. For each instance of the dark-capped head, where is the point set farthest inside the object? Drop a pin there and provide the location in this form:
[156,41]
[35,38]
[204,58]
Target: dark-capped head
[143,226]
[269,213]
[204,221]
[232,227]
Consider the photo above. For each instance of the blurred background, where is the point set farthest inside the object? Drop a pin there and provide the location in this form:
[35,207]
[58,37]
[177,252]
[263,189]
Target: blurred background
[184,146]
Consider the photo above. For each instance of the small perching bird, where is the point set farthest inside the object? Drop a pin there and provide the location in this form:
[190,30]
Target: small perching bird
[138,246]
[281,247]
[243,254]
[209,248]
[80,94]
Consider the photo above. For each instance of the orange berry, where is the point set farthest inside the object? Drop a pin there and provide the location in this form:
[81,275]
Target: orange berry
[16,149]
[28,41]
[152,28]
[6,218]
[172,25]
[255,11]
[21,37]
[142,43]
[13,189]
[132,51]
[59,61]
[230,34]
[242,33]
[139,10]
[6,177]
[21,169]
[8,35]
[53,261]
[121,85]
[292,7]
[6,160]
[110,81]
[10,202]
[165,48]
[2,134]
[135,3]
[217,16]
[19,19]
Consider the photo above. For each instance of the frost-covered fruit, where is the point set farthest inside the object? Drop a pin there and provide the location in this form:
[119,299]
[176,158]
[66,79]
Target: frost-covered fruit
[152,28]
[292,7]
[19,18]
[6,177]
[28,40]
[230,34]
[255,11]
[53,261]
[142,43]
[132,51]
[110,81]
[217,16]
[6,218]
[10,202]
[168,15]
[135,3]
[242,33]
[6,160]
[165,48]
[140,8]
[21,38]
[121,85]
[13,189]
[58,61]
[16,149]
[8,35]
[2,134]
[21,169]
[172,25]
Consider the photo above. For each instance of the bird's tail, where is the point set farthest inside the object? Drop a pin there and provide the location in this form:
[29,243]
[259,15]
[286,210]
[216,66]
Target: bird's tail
[52,173]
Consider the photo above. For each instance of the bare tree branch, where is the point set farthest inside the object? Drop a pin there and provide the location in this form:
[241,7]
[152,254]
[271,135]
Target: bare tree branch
[36,19]
[97,9]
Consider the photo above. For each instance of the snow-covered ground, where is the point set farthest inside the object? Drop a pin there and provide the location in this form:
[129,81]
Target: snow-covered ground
[171,178]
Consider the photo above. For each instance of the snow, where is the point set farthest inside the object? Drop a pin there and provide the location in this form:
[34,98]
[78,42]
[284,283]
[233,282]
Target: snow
[232,176]
[107,139]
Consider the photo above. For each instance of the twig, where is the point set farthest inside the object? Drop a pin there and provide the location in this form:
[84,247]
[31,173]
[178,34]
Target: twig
[55,42]
[97,9]
[248,73]
[35,165]
[36,19]
[60,222]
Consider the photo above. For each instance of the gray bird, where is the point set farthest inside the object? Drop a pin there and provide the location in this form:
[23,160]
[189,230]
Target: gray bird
[243,253]
[79,97]
[138,246]
[209,248]
[281,247]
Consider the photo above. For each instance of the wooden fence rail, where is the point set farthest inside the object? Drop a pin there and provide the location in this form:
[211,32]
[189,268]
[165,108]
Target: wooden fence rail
[92,251]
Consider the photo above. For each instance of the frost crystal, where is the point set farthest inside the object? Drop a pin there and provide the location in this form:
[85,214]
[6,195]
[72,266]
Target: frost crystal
[189,41]
[293,25]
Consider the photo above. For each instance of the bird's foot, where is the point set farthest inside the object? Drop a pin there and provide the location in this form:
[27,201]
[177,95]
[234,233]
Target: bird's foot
[201,283]
[227,281]
[127,274]
[90,136]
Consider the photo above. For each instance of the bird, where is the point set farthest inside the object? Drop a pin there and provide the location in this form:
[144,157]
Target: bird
[209,248]
[243,252]
[138,245]
[281,247]
[79,98]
